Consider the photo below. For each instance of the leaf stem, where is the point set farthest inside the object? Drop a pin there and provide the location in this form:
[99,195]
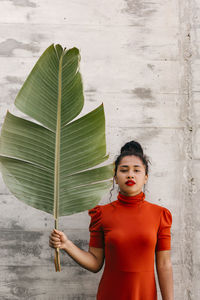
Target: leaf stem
[57,159]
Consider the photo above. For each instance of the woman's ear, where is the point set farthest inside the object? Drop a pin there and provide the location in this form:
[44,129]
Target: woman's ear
[115,178]
[146,178]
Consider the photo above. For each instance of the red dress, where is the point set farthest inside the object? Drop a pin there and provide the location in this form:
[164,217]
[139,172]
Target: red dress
[130,229]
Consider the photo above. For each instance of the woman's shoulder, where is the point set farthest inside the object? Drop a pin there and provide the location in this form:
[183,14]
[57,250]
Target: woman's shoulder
[157,207]
[100,208]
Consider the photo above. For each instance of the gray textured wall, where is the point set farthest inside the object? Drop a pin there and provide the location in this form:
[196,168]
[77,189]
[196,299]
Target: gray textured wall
[141,58]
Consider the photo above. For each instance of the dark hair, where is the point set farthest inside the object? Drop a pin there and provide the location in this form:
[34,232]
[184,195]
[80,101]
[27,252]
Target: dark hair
[131,148]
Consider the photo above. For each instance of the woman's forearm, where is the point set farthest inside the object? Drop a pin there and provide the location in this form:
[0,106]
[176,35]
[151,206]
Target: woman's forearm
[165,278]
[85,259]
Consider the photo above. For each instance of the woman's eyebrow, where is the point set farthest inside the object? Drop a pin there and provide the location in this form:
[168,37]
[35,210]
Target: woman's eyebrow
[126,166]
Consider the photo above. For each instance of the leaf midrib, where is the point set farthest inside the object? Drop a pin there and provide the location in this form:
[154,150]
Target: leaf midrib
[57,146]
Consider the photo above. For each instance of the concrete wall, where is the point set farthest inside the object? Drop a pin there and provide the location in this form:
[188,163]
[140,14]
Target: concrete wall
[141,58]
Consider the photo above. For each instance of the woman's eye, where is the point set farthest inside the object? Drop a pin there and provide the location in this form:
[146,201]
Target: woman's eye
[123,171]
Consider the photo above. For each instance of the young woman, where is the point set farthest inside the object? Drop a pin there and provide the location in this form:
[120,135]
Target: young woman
[127,232]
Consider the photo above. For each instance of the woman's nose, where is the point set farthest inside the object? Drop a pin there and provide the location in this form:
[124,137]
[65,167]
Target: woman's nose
[130,176]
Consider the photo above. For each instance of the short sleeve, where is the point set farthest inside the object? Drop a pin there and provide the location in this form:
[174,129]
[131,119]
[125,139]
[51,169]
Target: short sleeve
[95,227]
[164,231]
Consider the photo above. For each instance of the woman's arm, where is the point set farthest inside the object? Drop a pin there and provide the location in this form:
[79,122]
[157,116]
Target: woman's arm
[91,260]
[165,274]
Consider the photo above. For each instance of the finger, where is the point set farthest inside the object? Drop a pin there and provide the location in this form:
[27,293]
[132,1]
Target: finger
[54,233]
[55,245]
[51,245]
[53,238]
[58,232]
[54,242]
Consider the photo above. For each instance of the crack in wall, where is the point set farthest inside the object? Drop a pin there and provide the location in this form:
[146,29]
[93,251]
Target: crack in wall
[187,232]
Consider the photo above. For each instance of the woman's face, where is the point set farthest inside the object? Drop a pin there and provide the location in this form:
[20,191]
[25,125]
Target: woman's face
[130,170]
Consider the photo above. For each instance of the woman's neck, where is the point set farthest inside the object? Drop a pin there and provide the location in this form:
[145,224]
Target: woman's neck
[131,200]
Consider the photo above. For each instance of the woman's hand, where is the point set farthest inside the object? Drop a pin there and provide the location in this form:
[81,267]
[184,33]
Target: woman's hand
[58,239]
[91,261]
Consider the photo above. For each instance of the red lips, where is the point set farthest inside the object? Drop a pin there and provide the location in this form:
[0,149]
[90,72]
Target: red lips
[130,182]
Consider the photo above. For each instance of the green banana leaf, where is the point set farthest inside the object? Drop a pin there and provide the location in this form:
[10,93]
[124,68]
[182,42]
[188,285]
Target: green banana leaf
[51,164]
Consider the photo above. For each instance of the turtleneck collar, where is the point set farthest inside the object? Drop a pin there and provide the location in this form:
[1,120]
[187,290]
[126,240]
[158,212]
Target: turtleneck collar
[131,200]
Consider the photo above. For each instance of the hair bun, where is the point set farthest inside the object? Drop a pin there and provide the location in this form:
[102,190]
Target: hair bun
[132,147]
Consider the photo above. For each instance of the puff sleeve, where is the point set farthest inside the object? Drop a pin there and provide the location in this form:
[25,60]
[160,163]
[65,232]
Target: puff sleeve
[164,233]
[95,227]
